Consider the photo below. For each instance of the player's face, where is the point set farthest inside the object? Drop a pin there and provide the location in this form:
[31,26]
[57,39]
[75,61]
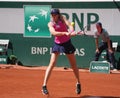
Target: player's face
[55,17]
[99,29]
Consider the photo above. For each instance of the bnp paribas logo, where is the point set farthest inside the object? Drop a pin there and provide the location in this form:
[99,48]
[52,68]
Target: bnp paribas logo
[36,18]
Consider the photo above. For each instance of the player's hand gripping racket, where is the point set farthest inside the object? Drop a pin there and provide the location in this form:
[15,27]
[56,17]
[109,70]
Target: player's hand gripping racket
[83,31]
[88,30]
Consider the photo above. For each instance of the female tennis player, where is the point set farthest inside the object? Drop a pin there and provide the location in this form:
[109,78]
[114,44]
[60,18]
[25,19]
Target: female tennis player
[58,27]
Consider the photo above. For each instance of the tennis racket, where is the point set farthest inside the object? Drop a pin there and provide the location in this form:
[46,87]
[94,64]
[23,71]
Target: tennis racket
[83,31]
[88,30]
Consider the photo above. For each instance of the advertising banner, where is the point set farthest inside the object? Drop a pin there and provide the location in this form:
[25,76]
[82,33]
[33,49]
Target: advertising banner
[25,24]
[36,19]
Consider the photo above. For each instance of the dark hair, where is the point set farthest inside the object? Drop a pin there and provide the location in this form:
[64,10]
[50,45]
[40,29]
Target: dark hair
[99,23]
[55,11]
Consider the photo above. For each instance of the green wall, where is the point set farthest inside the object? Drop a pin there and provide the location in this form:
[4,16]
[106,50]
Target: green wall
[22,48]
[40,55]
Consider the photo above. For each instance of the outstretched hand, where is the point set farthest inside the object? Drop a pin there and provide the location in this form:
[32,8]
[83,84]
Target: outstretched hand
[74,33]
[80,33]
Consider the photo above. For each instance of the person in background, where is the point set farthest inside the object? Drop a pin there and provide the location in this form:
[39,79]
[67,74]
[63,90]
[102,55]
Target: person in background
[106,44]
[58,27]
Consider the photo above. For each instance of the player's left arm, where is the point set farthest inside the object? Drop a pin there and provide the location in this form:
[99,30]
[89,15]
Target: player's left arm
[70,27]
[108,41]
[68,23]
[109,45]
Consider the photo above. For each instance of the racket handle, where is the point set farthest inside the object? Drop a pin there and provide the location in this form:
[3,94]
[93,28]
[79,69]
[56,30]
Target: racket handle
[80,33]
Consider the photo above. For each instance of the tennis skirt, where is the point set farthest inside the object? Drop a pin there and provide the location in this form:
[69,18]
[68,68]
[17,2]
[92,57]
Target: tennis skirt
[66,48]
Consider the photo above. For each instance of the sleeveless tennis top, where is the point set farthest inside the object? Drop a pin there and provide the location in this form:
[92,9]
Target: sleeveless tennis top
[60,27]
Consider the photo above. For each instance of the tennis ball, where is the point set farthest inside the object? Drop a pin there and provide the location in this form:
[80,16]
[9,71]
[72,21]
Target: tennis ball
[72,23]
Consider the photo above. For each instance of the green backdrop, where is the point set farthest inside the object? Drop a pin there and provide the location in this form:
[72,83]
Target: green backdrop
[36,51]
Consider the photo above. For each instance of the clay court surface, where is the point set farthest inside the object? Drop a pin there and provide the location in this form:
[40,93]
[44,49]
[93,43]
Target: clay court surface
[23,82]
